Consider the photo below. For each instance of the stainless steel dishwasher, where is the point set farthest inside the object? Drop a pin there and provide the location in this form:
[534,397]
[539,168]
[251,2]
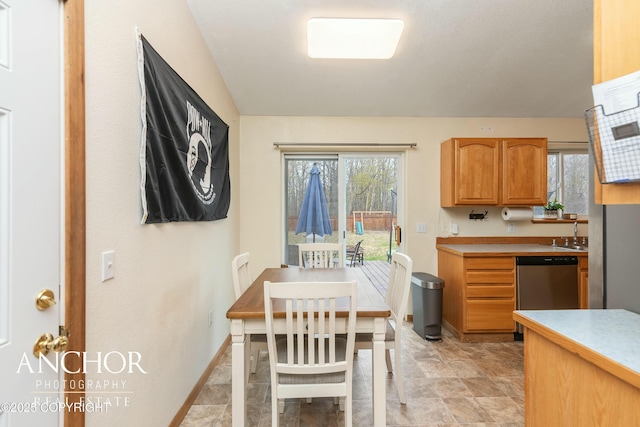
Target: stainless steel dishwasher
[546,283]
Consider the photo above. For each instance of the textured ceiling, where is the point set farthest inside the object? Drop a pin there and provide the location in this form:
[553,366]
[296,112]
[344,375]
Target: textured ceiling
[456,58]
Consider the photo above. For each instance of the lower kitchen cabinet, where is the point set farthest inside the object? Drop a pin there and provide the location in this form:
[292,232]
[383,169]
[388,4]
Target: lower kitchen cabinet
[583,282]
[480,290]
[489,315]
[586,376]
[479,296]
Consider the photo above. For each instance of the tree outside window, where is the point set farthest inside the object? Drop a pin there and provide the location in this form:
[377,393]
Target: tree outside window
[568,181]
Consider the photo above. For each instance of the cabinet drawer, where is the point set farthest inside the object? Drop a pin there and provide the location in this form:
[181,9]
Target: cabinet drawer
[490,315]
[491,276]
[490,263]
[491,292]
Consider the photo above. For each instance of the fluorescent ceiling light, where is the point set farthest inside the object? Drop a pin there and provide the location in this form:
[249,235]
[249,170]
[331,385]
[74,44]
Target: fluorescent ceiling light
[353,38]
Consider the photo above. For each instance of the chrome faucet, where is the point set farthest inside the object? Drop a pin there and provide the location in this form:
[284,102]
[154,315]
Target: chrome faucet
[575,233]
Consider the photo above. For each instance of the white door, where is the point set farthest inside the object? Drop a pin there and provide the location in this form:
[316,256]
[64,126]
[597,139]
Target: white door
[30,205]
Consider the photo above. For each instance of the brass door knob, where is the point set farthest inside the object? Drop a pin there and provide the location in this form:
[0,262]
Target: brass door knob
[59,344]
[47,343]
[42,345]
[45,299]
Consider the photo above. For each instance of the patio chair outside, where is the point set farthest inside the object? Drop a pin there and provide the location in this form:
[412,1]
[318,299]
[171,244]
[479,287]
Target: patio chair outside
[354,255]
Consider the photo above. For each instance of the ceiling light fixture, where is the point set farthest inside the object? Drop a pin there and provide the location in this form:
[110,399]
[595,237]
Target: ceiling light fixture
[353,38]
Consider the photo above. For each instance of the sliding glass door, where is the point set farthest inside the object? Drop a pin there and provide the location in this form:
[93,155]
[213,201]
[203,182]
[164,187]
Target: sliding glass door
[362,193]
[371,204]
[310,225]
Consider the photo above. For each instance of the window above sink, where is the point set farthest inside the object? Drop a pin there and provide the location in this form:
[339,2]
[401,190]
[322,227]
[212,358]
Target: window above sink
[567,180]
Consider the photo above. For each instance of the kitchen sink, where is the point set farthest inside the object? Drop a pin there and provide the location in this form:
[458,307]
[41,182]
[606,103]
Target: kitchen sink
[571,247]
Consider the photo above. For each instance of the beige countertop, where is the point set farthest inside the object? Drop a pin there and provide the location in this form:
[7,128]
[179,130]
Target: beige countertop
[508,249]
[611,335]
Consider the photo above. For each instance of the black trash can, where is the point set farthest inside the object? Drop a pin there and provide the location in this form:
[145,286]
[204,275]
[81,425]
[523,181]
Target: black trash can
[426,292]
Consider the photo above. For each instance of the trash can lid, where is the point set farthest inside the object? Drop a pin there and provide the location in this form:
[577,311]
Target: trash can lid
[426,280]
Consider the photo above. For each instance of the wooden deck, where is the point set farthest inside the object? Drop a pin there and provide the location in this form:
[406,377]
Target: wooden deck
[378,272]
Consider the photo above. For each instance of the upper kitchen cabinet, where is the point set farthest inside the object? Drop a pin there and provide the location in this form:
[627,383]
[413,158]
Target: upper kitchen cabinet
[491,171]
[616,37]
[524,172]
[469,172]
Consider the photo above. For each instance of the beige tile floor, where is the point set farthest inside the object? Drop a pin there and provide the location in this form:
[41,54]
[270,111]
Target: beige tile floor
[447,383]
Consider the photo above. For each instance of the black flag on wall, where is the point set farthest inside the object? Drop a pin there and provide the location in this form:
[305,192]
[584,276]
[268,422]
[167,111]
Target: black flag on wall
[185,148]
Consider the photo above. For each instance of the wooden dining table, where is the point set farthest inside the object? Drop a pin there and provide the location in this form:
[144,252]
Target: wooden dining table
[247,316]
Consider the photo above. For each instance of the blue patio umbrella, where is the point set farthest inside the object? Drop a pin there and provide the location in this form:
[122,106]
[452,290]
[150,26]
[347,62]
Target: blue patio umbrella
[314,215]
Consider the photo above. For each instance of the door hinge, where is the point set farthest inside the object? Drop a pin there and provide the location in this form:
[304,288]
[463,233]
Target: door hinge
[63,331]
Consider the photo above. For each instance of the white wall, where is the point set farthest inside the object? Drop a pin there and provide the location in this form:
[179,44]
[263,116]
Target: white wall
[262,199]
[167,277]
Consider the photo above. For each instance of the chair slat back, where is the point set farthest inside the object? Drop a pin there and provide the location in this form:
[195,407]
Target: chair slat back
[241,274]
[311,325]
[320,255]
[399,285]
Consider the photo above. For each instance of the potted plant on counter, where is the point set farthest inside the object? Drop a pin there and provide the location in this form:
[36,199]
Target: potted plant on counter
[553,209]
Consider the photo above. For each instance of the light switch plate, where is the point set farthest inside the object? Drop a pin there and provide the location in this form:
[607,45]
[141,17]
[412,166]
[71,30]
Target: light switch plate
[454,228]
[421,227]
[108,265]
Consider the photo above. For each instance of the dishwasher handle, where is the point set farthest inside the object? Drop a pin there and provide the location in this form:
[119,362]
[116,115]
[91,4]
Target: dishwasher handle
[546,260]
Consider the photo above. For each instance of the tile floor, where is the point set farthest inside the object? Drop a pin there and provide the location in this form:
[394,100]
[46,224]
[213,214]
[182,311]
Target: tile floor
[447,383]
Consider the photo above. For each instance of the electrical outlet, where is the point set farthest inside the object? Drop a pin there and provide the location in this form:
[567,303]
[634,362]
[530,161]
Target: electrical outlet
[511,227]
[444,228]
[210,317]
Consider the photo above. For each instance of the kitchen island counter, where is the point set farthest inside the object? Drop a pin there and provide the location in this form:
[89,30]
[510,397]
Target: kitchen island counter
[581,367]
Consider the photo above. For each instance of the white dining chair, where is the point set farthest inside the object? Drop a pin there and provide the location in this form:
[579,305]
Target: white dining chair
[320,255]
[314,239]
[241,276]
[397,299]
[310,356]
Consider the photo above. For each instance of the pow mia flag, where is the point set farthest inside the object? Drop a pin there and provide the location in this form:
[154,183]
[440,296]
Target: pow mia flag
[185,147]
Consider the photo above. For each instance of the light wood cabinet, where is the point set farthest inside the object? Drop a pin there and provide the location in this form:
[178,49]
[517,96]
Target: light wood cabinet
[479,296]
[569,381]
[524,172]
[492,171]
[490,315]
[489,294]
[583,282]
[469,172]
[616,38]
